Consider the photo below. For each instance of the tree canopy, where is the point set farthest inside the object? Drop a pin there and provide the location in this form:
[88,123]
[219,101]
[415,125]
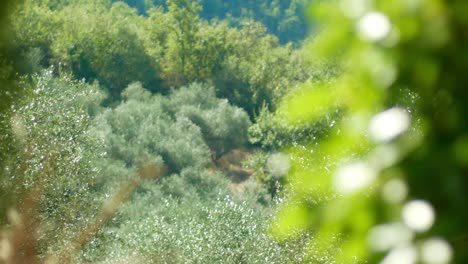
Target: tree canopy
[207,131]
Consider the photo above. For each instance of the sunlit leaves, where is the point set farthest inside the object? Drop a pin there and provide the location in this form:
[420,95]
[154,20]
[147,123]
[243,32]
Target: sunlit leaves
[181,129]
[385,47]
[310,104]
[53,154]
[170,47]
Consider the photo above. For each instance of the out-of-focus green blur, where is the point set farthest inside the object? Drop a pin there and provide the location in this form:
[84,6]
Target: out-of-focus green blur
[389,182]
[8,92]
[5,9]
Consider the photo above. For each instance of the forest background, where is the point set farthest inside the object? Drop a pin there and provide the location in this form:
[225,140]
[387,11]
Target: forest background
[162,131]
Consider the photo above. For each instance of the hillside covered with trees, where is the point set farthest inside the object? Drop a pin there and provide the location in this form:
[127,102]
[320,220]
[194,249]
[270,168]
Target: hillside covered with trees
[207,131]
[128,139]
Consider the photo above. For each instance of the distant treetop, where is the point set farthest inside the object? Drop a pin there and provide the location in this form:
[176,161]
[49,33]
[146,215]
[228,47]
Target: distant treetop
[284,18]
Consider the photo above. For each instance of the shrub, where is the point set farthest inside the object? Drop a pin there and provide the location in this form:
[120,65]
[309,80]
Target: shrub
[224,126]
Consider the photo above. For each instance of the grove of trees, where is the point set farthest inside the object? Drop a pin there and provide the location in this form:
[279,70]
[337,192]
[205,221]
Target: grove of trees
[126,131]
[212,131]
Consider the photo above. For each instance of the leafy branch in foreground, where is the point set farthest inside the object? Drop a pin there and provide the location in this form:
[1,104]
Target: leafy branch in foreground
[389,182]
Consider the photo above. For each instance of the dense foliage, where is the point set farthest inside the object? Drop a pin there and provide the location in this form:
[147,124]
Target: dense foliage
[167,48]
[76,155]
[285,19]
[175,132]
[190,214]
[126,144]
[52,155]
[183,129]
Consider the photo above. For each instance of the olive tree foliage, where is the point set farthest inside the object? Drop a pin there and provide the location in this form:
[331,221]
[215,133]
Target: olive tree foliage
[190,214]
[158,228]
[223,126]
[388,183]
[181,130]
[77,154]
[52,155]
